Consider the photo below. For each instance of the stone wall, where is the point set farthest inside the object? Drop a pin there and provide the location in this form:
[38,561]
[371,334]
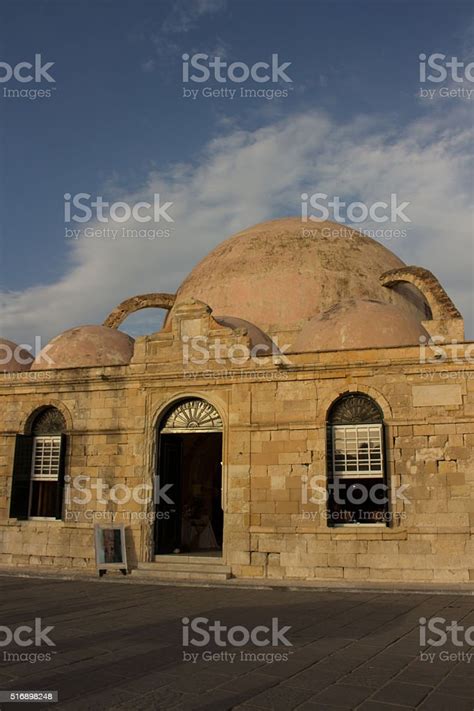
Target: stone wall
[274,438]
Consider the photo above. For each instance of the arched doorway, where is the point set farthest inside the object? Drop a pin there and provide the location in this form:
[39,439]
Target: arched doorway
[188,485]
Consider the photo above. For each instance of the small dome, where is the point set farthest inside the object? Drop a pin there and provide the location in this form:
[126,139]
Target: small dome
[14,358]
[85,347]
[360,324]
[256,336]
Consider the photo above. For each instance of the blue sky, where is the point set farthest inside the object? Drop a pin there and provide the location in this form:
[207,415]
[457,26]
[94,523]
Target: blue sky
[117,125]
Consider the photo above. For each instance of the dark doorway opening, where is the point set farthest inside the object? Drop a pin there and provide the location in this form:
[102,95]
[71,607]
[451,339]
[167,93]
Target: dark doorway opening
[189,516]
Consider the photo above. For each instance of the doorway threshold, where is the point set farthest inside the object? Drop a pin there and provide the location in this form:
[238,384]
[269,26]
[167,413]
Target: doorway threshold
[192,555]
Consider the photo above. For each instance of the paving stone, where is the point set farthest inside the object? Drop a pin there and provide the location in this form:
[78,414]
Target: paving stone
[314,705]
[384,661]
[343,695]
[199,683]
[445,702]
[213,701]
[398,692]
[100,701]
[379,706]
[458,686]
[314,678]
[149,682]
[163,698]
[374,677]
[424,673]
[249,682]
[280,698]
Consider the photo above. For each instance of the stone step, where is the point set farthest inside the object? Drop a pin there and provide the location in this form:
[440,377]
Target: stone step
[180,574]
[181,558]
[187,567]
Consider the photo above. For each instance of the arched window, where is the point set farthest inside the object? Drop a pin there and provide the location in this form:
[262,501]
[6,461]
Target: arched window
[38,468]
[357,490]
[192,415]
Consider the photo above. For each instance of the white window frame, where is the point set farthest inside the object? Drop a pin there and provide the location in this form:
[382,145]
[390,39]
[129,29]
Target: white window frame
[52,466]
[361,434]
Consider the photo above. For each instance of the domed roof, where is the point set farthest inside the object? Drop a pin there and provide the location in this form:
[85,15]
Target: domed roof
[360,324]
[14,358]
[85,346]
[256,336]
[281,273]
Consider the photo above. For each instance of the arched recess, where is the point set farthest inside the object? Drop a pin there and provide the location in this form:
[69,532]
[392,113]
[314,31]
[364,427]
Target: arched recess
[439,302]
[160,412]
[191,415]
[355,408]
[189,513]
[136,303]
[371,392]
[29,418]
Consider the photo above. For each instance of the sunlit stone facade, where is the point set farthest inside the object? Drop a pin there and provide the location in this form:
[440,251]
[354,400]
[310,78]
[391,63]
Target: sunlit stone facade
[264,339]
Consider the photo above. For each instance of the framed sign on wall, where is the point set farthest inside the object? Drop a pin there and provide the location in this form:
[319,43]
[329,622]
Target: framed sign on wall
[110,549]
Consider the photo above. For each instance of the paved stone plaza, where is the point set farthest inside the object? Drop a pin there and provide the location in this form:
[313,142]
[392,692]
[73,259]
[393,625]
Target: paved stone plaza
[120,646]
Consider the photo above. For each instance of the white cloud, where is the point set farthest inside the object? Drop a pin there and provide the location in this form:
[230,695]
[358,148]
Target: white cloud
[184,17]
[185,14]
[243,177]
[148,66]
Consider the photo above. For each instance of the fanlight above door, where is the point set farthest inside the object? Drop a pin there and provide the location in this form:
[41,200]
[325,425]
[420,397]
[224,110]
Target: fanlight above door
[192,416]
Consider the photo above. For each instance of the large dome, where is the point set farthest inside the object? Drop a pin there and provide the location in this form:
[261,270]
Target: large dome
[280,274]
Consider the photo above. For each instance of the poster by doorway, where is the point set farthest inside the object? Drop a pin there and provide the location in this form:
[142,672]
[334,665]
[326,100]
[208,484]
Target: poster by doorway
[110,549]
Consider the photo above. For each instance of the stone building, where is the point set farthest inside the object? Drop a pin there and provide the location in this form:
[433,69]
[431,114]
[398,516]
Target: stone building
[305,412]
